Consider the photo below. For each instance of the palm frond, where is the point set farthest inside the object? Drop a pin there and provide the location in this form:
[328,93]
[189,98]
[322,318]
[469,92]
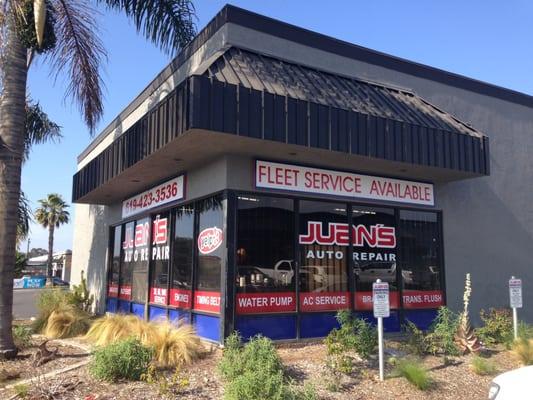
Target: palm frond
[52,211]
[23,217]
[169,24]
[79,52]
[39,128]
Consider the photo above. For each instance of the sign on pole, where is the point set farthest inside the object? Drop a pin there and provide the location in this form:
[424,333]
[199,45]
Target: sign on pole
[381,303]
[380,296]
[515,292]
[515,298]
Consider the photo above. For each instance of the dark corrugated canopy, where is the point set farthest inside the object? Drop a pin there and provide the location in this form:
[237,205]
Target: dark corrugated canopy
[255,71]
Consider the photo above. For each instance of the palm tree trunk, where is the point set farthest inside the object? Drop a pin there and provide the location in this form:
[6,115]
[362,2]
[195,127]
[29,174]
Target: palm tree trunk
[12,116]
[49,274]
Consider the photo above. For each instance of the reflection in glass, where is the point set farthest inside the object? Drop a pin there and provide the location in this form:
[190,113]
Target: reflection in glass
[265,250]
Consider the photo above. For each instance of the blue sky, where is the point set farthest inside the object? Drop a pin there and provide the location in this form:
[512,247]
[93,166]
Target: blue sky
[490,40]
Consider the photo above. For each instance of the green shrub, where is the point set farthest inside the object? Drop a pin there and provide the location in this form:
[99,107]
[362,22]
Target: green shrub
[126,359]
[416,341]
[414,372]
[22,336]
[253,371]
[354,334]
[482,366]
[307,392]
[497,326]
[440,340]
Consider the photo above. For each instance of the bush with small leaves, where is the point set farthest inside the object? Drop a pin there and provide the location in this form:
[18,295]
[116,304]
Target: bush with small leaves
[497,326]
[441,339]
[354,334]
[22,336]
[416,342]
[126,359]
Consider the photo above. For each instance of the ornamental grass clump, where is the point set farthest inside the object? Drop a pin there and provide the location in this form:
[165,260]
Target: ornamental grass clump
[414,372]
[482,366]
[66,321]
[523,350]
[173,345]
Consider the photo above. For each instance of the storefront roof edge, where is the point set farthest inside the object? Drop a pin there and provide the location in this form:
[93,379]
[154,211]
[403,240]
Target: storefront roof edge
[245,18]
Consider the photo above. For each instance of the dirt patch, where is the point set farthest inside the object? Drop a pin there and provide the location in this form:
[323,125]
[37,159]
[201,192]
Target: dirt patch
[23,366]
[305,363]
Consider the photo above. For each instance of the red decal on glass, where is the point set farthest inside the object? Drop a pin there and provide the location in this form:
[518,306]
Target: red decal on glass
[112,290]
[158,296]
[251,303]
[125,292]
[160,230]
[363,300]
[207,301]
[181,298]
[324,301]
[422,298]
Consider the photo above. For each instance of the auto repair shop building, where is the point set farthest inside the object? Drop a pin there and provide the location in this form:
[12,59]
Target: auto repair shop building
[268,175]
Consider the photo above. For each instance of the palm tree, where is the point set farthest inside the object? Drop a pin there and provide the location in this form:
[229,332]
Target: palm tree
[52,214]
[67,30]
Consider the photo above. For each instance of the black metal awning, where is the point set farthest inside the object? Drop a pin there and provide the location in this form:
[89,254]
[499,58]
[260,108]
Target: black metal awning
[253,96]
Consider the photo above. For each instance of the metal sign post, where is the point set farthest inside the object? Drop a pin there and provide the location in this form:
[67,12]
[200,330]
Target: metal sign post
[515,297]
[380,299]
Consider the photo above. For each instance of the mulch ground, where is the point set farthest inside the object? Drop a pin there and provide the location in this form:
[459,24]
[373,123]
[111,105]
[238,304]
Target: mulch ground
[305,364]
[23,366]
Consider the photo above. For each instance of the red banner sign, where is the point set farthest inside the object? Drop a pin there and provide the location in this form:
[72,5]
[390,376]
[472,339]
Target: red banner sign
[181,298]
[363,300]
[112,290]
[252,303]
[158,296]
[422,298]
[125,292]
[324,301]
[207,301]
[272,175]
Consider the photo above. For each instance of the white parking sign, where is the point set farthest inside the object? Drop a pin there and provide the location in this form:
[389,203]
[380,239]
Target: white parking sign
[515,293]
[380,298]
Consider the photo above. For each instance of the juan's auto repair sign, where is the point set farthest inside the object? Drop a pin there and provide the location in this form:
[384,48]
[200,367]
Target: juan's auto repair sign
[287,177]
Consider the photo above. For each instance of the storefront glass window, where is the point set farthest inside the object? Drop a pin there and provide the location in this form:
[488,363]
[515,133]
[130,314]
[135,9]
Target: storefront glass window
[160,258]
[420,259]
[126,270]
[114,267]
[265,273]
[374,241]
[323,239]
[182,257]
[211,245]
[140,260]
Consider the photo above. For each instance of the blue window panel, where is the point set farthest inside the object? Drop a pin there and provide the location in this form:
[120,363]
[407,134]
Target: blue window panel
[207,326]
[421,318]
[157,313]
[123,307]
[179,316]
[317,325]
[391,324]
[111,305]
[274,327]
[138,309]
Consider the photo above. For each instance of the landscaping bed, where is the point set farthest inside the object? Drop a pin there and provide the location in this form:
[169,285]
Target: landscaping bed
[304,364]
